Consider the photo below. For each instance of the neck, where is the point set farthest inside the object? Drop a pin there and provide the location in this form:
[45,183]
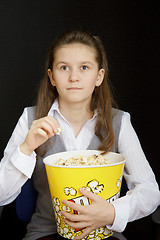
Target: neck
[77,114]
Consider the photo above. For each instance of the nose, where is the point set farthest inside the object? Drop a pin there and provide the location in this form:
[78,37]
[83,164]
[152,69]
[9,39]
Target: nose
[73,77]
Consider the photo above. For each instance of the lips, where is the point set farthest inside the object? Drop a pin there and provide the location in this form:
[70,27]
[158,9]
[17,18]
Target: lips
[74,88]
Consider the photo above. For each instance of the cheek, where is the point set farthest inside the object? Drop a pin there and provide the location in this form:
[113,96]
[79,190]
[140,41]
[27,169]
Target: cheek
[59,79]
[90,87]
[92,81]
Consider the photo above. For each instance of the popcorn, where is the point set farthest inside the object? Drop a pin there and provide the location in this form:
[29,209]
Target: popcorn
[59,130]
[83,161]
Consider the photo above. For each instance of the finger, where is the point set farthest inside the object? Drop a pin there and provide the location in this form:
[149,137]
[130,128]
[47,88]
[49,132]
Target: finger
[73,205]
[88,194]
[74,217]
[47,123]
[47,128]
[52,122]
[86,231]
[42,133]
[76,225]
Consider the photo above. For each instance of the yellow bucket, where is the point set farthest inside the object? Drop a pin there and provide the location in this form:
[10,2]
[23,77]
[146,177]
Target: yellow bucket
[65,182]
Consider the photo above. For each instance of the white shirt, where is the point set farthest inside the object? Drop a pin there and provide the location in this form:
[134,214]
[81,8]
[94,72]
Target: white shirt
[141,200]
[67,136]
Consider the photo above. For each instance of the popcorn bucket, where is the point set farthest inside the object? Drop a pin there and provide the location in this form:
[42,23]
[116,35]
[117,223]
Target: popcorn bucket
[65,182]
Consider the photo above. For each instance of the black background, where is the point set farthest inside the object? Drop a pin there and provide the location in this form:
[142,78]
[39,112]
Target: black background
[130,32]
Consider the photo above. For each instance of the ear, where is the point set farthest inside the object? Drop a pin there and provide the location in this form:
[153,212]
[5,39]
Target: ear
[100,77]
[50,75]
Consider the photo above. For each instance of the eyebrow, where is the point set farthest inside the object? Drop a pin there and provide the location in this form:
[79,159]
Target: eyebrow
[61,63]
[87,62]
[83,62]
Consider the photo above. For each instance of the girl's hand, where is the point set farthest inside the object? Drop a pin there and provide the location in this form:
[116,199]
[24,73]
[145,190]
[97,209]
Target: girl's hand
[41,130]
[90,217]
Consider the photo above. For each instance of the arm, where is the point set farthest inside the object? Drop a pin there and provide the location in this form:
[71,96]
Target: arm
[15,167]
[19,158]
[143,196]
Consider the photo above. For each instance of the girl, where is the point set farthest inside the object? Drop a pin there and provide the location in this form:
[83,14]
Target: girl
[75,96]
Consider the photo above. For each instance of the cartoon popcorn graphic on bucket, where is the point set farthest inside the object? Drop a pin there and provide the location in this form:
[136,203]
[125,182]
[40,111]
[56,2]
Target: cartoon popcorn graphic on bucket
[65,182]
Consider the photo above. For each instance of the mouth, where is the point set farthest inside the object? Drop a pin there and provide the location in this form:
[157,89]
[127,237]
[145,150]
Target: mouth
[74,88]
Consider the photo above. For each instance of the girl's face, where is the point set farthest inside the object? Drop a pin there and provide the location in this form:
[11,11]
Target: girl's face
[75,73]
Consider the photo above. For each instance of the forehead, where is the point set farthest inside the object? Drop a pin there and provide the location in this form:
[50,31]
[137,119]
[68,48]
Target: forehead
[75,52]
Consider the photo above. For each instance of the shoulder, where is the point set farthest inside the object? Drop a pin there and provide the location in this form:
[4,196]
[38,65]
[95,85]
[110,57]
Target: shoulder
[120,118]
[30,110]
[122,121]
[31,114]
[117,113]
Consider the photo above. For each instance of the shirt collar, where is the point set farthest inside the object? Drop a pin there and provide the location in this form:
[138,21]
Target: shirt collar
[55,107]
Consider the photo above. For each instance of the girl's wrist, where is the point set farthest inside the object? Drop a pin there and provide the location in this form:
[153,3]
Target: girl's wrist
[25,149]
[112,214]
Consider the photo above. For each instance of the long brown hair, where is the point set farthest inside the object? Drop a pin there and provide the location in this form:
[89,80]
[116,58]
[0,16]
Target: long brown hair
[102,99]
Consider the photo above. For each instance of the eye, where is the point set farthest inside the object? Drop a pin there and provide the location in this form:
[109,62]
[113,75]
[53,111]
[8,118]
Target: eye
[64,68]
[84,67]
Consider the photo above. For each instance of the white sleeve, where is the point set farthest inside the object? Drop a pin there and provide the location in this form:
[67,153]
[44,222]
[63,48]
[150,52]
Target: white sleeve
[15,167]
[143,196]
